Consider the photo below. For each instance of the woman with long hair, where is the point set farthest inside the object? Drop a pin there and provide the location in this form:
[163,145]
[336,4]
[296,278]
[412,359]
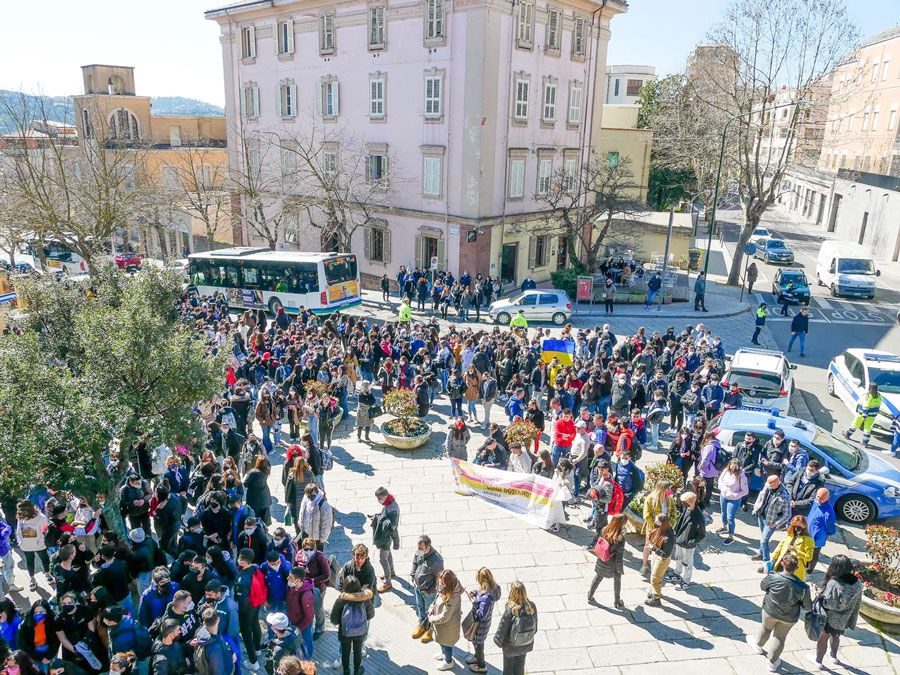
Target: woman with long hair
[445,615]
[544,465]
[30,528]
[733,487]
[473,386]
[256,486]
[798,541]
[660,501]
[841,597]
[365,401]
[299,477]
[662,543]
[457,440]
[483,601]
[516,630]
[614,566]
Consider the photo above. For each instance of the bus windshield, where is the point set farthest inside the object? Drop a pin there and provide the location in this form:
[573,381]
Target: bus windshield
[340,270]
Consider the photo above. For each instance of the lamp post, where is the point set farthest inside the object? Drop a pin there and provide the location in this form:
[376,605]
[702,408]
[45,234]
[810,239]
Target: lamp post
[712,218]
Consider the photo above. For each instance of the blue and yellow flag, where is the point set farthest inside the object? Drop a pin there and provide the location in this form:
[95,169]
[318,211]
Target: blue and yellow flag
[564,350]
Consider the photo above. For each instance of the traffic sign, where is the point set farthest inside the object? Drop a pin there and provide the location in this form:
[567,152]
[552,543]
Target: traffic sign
[749,248]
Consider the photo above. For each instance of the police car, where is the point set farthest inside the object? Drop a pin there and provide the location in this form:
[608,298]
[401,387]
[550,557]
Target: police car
[863,486]
[765,378]
[851,373]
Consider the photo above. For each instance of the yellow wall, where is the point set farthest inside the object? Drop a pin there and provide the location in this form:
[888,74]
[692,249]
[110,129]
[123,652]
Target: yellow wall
[619,133]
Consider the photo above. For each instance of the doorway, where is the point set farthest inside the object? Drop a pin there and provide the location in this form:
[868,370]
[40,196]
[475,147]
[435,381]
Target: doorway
[508,263]
[862,230]
[821,209]
[835,208]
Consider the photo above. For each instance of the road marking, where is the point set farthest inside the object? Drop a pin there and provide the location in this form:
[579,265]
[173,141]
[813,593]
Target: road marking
[822,302]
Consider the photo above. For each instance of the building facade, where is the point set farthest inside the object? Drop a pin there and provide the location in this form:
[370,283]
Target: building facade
[465,111]
[623,83]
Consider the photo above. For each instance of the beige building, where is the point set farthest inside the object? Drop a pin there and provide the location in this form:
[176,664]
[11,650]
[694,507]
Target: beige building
[178,148]
[861,133]
[619,138]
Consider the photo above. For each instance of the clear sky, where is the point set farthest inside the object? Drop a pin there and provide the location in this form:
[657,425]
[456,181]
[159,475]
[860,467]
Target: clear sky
[176,52]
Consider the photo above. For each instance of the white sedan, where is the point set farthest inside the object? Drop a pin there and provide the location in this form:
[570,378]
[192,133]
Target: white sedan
[851,372]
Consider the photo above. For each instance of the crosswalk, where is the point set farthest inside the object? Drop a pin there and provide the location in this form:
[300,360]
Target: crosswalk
[831,310]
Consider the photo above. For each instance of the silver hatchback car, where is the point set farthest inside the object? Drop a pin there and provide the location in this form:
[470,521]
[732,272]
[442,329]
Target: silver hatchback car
[537,305]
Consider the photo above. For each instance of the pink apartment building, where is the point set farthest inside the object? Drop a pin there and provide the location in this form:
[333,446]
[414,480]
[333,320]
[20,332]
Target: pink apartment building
[467,106]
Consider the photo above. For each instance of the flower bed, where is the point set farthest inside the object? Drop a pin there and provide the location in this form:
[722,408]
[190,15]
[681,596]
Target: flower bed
[881,577]
[406,431]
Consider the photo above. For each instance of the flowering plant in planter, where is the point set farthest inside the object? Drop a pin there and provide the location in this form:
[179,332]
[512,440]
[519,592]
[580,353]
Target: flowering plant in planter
[654,475]
[881,577]
[523,432]
[401,403]
[320,389]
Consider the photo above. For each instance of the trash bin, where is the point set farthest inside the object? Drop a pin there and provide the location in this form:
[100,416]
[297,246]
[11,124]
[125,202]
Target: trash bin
[695,257]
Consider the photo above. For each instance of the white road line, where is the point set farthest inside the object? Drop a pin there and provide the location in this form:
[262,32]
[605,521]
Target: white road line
[822,302]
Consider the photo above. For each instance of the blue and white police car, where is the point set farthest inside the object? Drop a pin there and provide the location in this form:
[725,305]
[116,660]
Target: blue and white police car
[851,372]
[863,486]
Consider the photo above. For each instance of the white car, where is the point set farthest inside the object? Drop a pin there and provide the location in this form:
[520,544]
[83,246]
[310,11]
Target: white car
[759,233]
[180,265]
[765,378]
[851,372]
[536,304]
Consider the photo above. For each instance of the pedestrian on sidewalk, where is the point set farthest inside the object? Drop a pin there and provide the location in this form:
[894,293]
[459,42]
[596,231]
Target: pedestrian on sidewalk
[690,530]
[841,599]
[653,286]
[427,565]
[662,543]
[445,614]
[385,288]
[351,613]
[700,293]
[786,595]
[761,313]
[483,609]
[385,534]
[773,511]
[609,295]
[516,630]
[613,566]
[799,329]
[822,523]
[752,273]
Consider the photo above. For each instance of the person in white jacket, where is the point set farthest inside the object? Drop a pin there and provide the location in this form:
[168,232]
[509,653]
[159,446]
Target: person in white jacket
[316,516]
[519,461]
[733,487]
[578,455]
[30,534]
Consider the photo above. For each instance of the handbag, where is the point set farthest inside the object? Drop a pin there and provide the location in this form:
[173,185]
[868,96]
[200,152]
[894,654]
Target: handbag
[470,625]
[814,619]
[375,411]
[288,518]
[601,549]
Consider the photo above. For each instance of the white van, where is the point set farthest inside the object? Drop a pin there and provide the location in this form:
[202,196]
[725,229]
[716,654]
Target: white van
[847,269]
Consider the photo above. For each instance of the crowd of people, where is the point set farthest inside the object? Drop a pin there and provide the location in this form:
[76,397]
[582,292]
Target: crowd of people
[201,576]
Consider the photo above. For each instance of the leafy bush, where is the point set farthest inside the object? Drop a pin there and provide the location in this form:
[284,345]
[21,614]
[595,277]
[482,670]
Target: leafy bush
[567,279]
[655,474]
[523,432]
[883,546]
[401,403]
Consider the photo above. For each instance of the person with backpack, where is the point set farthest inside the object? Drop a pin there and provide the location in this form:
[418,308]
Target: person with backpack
[483,602]
[351,613]
[125,636]
[629,477]
[690,529]
[712,456]
[212,655]
[276,571]
[386,534]
[169,655]
[445,615]
[145,556]
[219,598]
[285,641]
[316,516]
[516,630]
[606,494]
[156,598]
[301,607]
[610,550]
[250,594]
[181,609]
[319,571]
[192,538]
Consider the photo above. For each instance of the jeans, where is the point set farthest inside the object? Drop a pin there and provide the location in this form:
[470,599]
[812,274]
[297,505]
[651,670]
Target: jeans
[342,401]
[700,302]
[267,439]
[448,653]
[456,407]
[765,535]
[689,418]
[778,629]
[143,582]
[603,405]
[423,602]
[651,297]
[684,563]
[802,336]
[654,434]
[444,375]
[895,443]
[558,451]
[9,567]
[320,610]
[313,423]
[729,509]
[514,665]
[470,409]
[306,635]
[251,634]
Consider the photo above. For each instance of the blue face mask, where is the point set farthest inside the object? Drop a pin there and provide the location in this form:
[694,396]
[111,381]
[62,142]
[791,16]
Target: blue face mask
[38,616]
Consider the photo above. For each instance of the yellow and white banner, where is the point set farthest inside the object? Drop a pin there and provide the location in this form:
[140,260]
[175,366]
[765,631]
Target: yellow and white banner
[531,498]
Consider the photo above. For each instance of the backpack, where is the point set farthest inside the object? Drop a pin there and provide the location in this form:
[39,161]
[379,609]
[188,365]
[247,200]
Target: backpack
[327,459]
[617,501]
[259,592]
[723,457]
[636,450]
[353,620]
[523,629]
[141,640]
[201,657]
[601,549]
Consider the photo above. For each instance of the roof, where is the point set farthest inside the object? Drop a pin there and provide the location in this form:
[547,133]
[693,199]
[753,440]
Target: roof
[847,248]
[757,359]
[241,4]
[760,422]
[881,37]
[263,254]
[885,360]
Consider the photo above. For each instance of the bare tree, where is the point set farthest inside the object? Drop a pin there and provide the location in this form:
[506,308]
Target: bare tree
[584,204]
[198,186]
[765,49]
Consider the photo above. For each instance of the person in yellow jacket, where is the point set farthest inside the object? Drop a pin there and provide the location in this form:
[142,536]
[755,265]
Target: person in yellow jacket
[797,541]
[404,313]
[866,411]
[659,501]
[519,320]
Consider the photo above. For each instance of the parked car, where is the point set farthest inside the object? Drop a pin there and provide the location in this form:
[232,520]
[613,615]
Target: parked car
[846,268]
[538,305]
[765,378]
[127,259]
[851,372]
[759,233]
[180,265]
[863,486]
[774,251]
[796,276]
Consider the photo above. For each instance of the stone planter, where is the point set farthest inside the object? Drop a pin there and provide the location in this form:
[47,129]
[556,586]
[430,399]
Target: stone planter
[634,519]
[883,616]
[405,442]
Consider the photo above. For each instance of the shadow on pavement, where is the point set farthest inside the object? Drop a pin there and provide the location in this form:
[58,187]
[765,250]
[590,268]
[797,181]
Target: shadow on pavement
[821,415]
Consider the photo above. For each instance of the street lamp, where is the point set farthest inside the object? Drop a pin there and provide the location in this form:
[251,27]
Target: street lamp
[712,218]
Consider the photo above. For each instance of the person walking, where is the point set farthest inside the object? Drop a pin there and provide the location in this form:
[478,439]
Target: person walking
[786,596]
[613,567]
[488,396]
[653,286]
[799,330]
[866,411]
[700,293]
[752,274]
[483,601]
[609,295]
[760,321]
[840,597]
[427,565]
[386,533]
[445,615]
[706,465]
[662,545]
[690,530]
[351,613]
[385,288]
[822,524]
[516,630]
[733,487]
[773,511]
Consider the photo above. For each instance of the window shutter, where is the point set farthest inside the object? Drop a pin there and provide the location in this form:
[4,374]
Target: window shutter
[420,246]
[251,40]
[531,247]
[368,168]
[279,99]
[367,238]
[386,246]
[335,86]
[294,101]
[441,254]
[553,30]
[290,36]
[319,86]
[254,101]
[243,102]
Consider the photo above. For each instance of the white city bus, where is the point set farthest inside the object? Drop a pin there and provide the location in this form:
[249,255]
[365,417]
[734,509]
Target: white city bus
[260,278]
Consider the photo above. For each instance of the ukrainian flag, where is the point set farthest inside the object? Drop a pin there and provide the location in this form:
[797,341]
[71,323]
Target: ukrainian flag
[564,350]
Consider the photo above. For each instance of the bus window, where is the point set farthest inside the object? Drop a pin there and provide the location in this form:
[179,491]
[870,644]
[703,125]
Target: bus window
[232,276]
[340,270]
[250,277]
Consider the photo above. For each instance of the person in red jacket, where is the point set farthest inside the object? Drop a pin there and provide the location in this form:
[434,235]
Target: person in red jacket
[563,435]
[626,442]
[301,607]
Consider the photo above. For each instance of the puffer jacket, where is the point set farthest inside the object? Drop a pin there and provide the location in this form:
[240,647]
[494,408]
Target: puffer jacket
[316,518]
[615,566]
[425,570]
[484,609]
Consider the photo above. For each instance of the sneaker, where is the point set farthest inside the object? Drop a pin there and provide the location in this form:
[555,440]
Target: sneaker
[439,656]
[833,661]
[728,541]
[683,586]
[811,657]
[471,660]
[618,604]
[756,557]
[364,652]
[773,667]
[336,664]
[478,669]
[587,520]
[32,585]
[752,642]
[445,666]
[653,602]
[13,588]
[722,530]
[554,527]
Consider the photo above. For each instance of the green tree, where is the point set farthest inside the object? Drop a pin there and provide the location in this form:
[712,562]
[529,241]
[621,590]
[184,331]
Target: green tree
[112,363]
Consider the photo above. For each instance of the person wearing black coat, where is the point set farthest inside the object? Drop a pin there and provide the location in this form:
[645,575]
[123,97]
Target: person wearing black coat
[232,442]
[216,522]
[614,567]
[256,489]
[167,519]
[802,486]
[39,613]
[253,537]
[690,530]
[113,574]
